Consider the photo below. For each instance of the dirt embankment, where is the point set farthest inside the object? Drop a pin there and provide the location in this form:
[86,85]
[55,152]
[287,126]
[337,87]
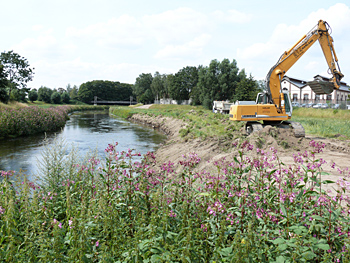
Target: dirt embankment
[336,151]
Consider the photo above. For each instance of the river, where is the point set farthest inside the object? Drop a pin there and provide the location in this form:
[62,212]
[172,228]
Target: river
[88,131]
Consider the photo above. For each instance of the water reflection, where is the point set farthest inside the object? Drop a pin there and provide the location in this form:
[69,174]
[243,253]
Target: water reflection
[88,131]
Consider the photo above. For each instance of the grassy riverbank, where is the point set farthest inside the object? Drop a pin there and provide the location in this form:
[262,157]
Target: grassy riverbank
[327,123]
[201,123]
[20,119]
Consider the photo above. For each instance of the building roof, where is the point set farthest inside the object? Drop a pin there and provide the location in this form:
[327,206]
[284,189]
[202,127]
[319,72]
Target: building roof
[302,83]
[297,82]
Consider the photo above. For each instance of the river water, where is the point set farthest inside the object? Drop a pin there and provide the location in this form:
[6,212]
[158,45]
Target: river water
[87,131]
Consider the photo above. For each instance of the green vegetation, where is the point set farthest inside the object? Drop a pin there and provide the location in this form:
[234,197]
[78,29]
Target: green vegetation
[324,122]
[19,121]
[105,90]
[201,123]
[120,210]
[203,84]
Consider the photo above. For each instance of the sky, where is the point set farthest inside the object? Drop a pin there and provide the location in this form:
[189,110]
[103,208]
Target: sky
[75,41]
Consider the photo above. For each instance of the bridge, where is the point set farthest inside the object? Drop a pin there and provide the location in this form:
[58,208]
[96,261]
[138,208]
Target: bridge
[99,101]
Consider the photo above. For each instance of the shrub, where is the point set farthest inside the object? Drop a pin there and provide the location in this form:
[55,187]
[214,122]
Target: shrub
[65,97]
[33,95]
[56,98]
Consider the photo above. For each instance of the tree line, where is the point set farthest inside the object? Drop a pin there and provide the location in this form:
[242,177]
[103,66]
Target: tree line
[221,80]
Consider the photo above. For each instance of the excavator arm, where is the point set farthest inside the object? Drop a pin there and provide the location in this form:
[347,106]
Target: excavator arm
[290,57]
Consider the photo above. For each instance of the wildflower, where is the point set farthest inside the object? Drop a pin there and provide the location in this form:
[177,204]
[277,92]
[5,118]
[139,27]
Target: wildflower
[97,243]
[172,214]
[243,241]
[60,225]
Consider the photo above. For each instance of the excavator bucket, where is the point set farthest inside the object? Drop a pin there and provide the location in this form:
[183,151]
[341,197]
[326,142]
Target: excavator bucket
[321,87]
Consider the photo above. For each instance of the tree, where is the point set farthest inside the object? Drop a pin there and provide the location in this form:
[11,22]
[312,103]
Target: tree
[65,97]
[44,94]
[105,90]
[217,82]
[157,85]
[56,98]
[17,70]
[18,95]
[4,97]
[183,83]
[143,84]
[73,92]
[33,95]
[247,89]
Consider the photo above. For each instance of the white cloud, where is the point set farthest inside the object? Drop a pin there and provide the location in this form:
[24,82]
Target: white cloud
[124,31]
[232,16]
[189,50]
[176,26]
[285,36]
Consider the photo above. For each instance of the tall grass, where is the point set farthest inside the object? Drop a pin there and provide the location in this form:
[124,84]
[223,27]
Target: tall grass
[117,210]
[324,122]
[19,121]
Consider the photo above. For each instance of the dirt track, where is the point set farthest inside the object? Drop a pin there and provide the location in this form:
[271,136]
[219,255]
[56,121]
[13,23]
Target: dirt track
[336,151]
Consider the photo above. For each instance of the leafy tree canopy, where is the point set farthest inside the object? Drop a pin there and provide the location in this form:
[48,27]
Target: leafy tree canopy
[183,83]
[33,95]
[17,69]
[105,90]
[44,94]
[143,83]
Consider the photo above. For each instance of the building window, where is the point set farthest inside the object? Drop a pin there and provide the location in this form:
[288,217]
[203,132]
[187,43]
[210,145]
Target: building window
[295,97]
[329,97]
[306,98]
[317,98]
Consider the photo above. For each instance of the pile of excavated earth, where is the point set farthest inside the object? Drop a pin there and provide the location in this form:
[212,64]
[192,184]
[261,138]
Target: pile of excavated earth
[209,150]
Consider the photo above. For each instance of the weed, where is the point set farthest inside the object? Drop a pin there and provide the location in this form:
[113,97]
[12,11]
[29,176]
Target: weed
[114,209]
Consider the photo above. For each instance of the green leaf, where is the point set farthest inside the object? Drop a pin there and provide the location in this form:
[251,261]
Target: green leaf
[328,182]
[280,259]
[324,247]
[279,241]
[204,194]
[226,251]
[308,255]
[282,247]
[284,211]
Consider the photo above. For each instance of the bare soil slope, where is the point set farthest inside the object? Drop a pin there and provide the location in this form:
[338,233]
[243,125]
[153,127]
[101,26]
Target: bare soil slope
[336,151]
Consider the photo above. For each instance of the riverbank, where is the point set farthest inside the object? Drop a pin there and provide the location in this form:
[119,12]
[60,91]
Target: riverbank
[335,152]
[28,120]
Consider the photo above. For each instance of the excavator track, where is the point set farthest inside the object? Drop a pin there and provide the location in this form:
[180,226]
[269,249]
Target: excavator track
[298,129]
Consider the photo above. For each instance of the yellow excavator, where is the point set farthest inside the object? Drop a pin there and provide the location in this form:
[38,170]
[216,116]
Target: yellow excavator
[273,107]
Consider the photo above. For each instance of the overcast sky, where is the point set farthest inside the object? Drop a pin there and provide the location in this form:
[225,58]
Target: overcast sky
[75,41]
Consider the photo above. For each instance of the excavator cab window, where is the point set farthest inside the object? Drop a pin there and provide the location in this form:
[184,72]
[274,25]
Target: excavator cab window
[261,98]
[287,103]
